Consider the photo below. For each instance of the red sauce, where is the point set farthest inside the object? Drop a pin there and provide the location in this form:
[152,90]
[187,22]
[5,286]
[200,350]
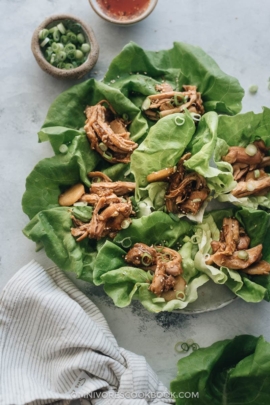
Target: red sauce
[123,9]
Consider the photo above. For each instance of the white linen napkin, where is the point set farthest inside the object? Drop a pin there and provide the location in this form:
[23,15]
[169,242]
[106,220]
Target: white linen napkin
[55,345]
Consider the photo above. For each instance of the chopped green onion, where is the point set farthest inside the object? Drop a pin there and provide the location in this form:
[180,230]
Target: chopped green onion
[146,104]
[178,347]
[180,295]
[195,346]
[80,204]
[61,55]
[206,256]
[185,347]
[70,47]
[125,224]
[64,39]
[78,54]
[75,64]
[243,255]
[125,117]
[80,38]
[53,58]
[186,239]
[190,342]
[251,150]
[61,28]
[147,259]
[195,239]
[126,242]
[71,54]
[257,173]
[60,46]
[174,217]
[196,117]
[43,33]
[69,66]
[72,37]
[63,148]
[179,120]
[102,146]
[253,89]
[107,155]
[158,300]
[54,46]
[51,30]
[85,48]
[176,101]
[250,185]
[43,43]
[56,35]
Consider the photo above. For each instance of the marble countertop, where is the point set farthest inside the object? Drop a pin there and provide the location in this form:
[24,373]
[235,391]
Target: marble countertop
[235,34]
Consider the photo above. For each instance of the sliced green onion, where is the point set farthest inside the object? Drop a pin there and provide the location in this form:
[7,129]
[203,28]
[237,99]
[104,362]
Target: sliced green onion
[61,28]
[43,33]
[80,38]
[55,47]
[250,186]
[185,347]
[180,295]
[146,104]
[179,120]
[206,256]
[51,30]
[174,217]
[158,300]
[186,239]
[195,239]
[71,54]
[102,146]
[48,52]
[257,173]
[190,342]
[126,242]
[243,255]
[176,101]
[78,54]
[70,47]
[56,35]
[64,39]
[85,48]
[147,259]
[251,150]
[60,46]
[63,148]
[178,347]
[80,204]
[196,117]
[61,55]
[125,224]
[125,117]
[195,347]
[253,89]
[69,66]
[53,58]
[43,43]
[75,64]
[72,37]
[107,155]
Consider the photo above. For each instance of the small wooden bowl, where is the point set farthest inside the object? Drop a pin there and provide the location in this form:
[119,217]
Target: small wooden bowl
[124,23]
[77,72]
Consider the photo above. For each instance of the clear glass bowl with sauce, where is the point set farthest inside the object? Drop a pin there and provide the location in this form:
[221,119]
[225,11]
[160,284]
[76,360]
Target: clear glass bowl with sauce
[123,12]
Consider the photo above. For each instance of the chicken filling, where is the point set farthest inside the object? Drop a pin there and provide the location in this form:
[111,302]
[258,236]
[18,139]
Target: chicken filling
[169,102]
[166,266]
[186,192]
[249,169]
[233,250]
[108,133]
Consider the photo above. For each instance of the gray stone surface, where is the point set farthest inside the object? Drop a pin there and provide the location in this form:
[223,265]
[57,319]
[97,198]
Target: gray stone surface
[235,34]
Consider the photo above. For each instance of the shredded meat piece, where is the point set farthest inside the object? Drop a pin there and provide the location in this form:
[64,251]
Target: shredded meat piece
[111,204]
[108,137]
[166,264]
[248,171]
[169,102]
[226,251]
[187,191]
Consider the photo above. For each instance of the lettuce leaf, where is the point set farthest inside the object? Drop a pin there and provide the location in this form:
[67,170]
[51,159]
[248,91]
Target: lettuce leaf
[228,372]
[242,130]
[255,223]
[124,283]
[136,72]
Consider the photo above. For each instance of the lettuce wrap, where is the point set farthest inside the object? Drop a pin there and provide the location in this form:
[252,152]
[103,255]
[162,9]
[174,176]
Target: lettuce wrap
[230,372]
[136,72]
[256,225]
[241,130]
[165,144]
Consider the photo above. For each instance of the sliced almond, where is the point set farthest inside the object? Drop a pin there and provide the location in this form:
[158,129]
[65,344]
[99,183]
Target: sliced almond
[72,195]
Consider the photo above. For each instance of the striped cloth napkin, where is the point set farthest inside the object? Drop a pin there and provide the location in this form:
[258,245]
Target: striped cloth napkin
[55,345]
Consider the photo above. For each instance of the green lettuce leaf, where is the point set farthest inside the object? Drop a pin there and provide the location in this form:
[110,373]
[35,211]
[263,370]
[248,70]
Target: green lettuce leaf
[124,283]
[242,130]
[228,372]
[136,72]
[255,223]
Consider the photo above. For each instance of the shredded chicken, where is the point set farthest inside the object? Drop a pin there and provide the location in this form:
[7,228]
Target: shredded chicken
[112,208]
[169,101]
[108,134]
[233,251]
[249,171]
[186,192]
[165,263]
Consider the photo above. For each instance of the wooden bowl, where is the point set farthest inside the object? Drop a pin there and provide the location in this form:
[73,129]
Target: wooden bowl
[77,72]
